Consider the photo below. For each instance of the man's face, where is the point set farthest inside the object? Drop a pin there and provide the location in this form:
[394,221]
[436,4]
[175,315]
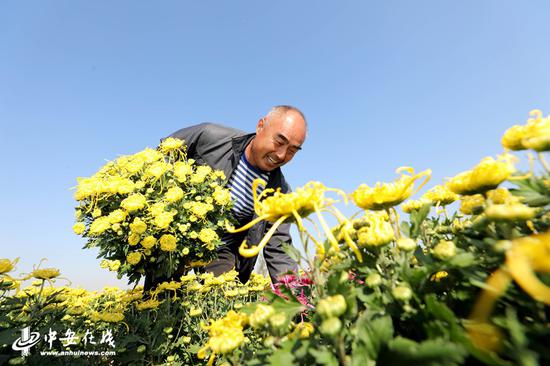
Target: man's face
[278,138]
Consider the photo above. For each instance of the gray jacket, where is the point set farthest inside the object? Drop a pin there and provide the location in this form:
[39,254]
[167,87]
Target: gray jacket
[221,148]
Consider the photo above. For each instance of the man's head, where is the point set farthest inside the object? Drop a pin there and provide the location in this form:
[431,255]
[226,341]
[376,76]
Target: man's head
[279,135]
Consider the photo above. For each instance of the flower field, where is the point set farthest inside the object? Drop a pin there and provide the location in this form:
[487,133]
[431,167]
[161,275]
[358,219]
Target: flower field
[404,281]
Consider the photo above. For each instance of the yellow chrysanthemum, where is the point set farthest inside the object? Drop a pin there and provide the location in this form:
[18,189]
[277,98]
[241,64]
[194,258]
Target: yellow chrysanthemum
[302,330]
[488,174]
[440,195]
[6,265]
[164,219]
[99,226]
[133,202]
[149,155]
[79,228]
[377,232]
[182,170]
[201,209]
[201,173]
[279,207]
[134,239]
[168,243]
[225,335]
[510,212]
[148,304]
[133,258]
[174,194]
[138,226]
[157,208]
[148,242]
[501,196]
[114,265]
[470,205]
[170,144]
[116,216]
[157,169]
[207,235]
[222,196]
[111,317]
[411,205]
[386,195]
[534,135]
[45,273]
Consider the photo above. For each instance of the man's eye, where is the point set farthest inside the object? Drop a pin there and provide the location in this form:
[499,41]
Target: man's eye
[279,142]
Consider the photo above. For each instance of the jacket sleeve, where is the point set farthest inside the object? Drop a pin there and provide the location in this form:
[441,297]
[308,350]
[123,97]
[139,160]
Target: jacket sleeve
[276,259]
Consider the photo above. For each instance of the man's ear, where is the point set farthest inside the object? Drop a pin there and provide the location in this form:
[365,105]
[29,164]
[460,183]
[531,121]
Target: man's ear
[260,126]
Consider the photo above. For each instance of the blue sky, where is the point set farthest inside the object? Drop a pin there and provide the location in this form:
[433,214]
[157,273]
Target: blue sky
[430,84]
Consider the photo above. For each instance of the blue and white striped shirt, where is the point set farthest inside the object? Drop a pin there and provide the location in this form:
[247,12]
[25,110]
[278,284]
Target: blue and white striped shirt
[240,186]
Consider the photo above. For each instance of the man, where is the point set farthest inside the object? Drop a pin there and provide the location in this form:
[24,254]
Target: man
[244,157]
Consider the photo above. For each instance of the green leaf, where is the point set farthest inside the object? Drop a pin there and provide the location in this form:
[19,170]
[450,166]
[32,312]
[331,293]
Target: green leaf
[439,310]
[282,356]
[289,307]
[417,217]
[463,260]
[372,335]
[406,228]
[432,352]
[323,357]
[532,191]
[292,252]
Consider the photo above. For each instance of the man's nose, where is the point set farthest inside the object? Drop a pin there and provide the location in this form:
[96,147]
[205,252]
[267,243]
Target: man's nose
[281,154]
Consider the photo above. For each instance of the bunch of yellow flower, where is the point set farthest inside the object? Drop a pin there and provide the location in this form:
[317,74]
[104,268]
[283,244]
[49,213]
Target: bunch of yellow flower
[152,211]
[534,135]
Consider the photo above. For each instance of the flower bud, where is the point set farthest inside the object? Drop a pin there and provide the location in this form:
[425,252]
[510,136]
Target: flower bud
[261,315]
[406,244]
[330,327]
[373,280]
[444,250]
[403,293]
[278,321]
[332,306]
